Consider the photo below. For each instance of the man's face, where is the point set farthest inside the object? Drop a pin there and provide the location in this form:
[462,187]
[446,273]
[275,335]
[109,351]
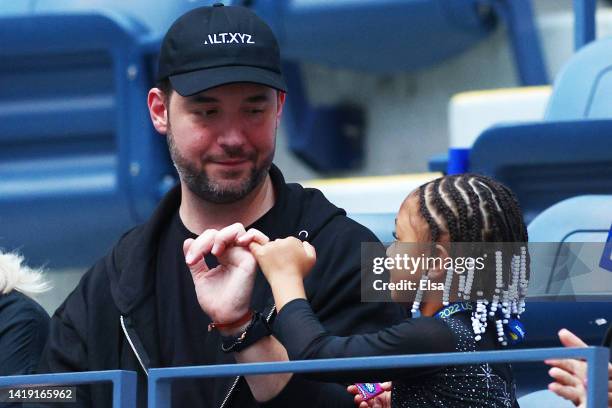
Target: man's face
[222,140]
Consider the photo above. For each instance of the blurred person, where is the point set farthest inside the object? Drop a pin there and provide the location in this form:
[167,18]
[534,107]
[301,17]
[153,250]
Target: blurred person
[570,374]
[24,324]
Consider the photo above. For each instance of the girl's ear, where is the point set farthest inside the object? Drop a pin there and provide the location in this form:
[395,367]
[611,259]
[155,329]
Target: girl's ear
[440,252]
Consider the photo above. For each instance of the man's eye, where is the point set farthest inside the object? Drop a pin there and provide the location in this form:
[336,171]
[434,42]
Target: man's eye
[209,112]
[255,111]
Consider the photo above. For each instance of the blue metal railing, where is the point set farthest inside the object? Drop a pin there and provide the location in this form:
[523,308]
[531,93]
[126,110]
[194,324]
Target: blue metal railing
[124,383]
[597,359]
[160,379]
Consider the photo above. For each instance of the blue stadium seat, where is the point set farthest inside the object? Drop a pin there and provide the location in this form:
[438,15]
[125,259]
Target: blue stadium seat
[79,163]
[583,88]
[575,220]
[578,219]
[565,227]
[546,162]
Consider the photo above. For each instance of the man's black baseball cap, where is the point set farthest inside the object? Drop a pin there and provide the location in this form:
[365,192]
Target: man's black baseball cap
[218,45]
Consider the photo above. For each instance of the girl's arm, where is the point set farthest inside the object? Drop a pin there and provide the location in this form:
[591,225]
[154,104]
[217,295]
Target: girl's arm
[298,329]
[285,262]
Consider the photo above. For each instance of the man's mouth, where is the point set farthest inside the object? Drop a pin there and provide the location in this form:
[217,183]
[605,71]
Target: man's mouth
[231,162]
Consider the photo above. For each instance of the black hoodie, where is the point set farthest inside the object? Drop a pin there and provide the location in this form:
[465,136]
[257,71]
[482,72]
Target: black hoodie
[109,321]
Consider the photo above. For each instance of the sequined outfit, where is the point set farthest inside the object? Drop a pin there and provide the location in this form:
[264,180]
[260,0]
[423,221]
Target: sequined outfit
[458,386]
[475,386]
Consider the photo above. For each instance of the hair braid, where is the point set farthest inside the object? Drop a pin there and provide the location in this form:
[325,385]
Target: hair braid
[476,230]
[444,211]
[462,210]
[434,229]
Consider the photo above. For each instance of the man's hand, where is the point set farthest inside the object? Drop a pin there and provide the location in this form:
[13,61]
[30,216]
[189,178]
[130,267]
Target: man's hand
[570,374]
[224,292]
[380,401]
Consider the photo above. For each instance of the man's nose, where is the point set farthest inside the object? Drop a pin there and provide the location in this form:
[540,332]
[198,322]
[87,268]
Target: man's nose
[231,136]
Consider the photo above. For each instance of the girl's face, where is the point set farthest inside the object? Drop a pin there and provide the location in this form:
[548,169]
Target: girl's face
[410,228]
[413,240]
[409,225]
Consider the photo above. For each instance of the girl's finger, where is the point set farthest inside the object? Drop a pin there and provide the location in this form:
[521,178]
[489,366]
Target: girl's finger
[253,235]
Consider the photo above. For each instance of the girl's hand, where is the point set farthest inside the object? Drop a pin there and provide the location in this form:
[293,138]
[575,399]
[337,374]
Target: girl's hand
[284,258]
[285,263]
[380,401]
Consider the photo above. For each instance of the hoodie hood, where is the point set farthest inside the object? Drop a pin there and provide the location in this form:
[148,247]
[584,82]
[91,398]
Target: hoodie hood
[131,266]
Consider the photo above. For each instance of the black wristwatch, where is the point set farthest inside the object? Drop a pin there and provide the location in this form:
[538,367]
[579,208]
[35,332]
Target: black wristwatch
[257,329]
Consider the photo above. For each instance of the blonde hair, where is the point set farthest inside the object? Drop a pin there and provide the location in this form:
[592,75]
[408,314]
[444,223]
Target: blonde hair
[15,275]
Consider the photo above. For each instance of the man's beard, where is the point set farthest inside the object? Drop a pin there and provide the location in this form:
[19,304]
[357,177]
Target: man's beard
[200,184]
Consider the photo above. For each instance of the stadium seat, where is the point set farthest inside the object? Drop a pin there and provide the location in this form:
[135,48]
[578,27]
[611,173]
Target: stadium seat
[567,154]
[583,88]
[471,113]
[571,219]
[546,162]
[565,228]
[561,288]
[79,162]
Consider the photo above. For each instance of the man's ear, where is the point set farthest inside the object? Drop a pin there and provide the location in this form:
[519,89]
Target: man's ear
[280,103]
[156,100]
[440,252]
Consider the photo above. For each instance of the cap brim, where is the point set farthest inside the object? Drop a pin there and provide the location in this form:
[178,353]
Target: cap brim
[191,83]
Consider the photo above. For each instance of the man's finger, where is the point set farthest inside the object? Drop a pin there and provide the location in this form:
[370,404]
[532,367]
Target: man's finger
[253,235]
[564,378]
[199,266]
[226,237]
[569,393]
[187,245]
[569,339]
[200,247]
